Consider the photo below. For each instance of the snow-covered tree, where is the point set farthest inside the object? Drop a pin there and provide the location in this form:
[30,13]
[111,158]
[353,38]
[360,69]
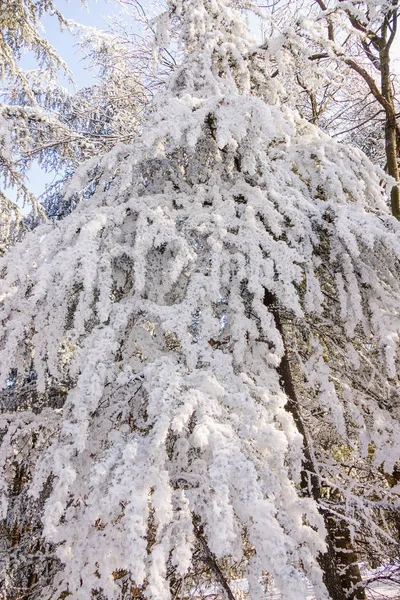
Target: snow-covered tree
[231,283]
[19,32]
[42,121]
[351,44]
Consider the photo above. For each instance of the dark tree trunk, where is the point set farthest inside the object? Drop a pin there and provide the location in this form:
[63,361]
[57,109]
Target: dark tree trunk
[391,147]
[339,563]
[345,557]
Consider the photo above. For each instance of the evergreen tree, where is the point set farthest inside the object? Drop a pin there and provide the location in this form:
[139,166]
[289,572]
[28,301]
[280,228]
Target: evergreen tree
[231,235]
[42,121]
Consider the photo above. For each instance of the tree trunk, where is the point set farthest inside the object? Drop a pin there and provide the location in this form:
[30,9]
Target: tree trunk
[345,557]
[390,129]
[392,166]
[339,563]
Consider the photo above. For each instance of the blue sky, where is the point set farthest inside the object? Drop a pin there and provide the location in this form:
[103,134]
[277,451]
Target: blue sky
[94,15]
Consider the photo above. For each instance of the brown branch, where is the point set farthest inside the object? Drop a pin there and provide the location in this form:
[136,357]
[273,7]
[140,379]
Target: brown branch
[331,32]
[318,56]
[358,124]
[393,29]
[212,561]
[369,81]
[374,59]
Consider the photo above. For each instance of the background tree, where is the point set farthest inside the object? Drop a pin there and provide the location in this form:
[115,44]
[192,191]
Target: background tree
[42,121]
[377,28]
[359,37]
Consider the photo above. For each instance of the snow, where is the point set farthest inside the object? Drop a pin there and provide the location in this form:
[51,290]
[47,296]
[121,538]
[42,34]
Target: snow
[168,419]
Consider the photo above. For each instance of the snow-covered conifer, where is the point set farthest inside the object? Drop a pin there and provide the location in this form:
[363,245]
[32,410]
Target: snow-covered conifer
[166,303]
[42,121]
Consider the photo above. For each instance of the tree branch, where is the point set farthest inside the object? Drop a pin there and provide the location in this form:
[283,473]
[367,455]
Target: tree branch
[331,31]
[374,59]
[393,29]
[212,562]
[369,81]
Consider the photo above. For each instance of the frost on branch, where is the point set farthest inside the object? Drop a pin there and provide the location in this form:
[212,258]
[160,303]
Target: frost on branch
[149,300]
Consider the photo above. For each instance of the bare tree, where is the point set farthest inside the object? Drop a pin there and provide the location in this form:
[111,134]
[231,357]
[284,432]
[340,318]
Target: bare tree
[350,91]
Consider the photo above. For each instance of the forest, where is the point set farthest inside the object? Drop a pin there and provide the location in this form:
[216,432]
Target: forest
[200,315]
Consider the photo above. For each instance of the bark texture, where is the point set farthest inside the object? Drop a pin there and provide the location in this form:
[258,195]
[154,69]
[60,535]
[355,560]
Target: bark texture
[339,563]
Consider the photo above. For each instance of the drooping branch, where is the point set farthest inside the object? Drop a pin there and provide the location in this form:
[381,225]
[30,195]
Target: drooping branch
[212,562]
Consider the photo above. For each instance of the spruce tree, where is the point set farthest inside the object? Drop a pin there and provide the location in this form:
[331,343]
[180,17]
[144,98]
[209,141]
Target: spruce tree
[183,311]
